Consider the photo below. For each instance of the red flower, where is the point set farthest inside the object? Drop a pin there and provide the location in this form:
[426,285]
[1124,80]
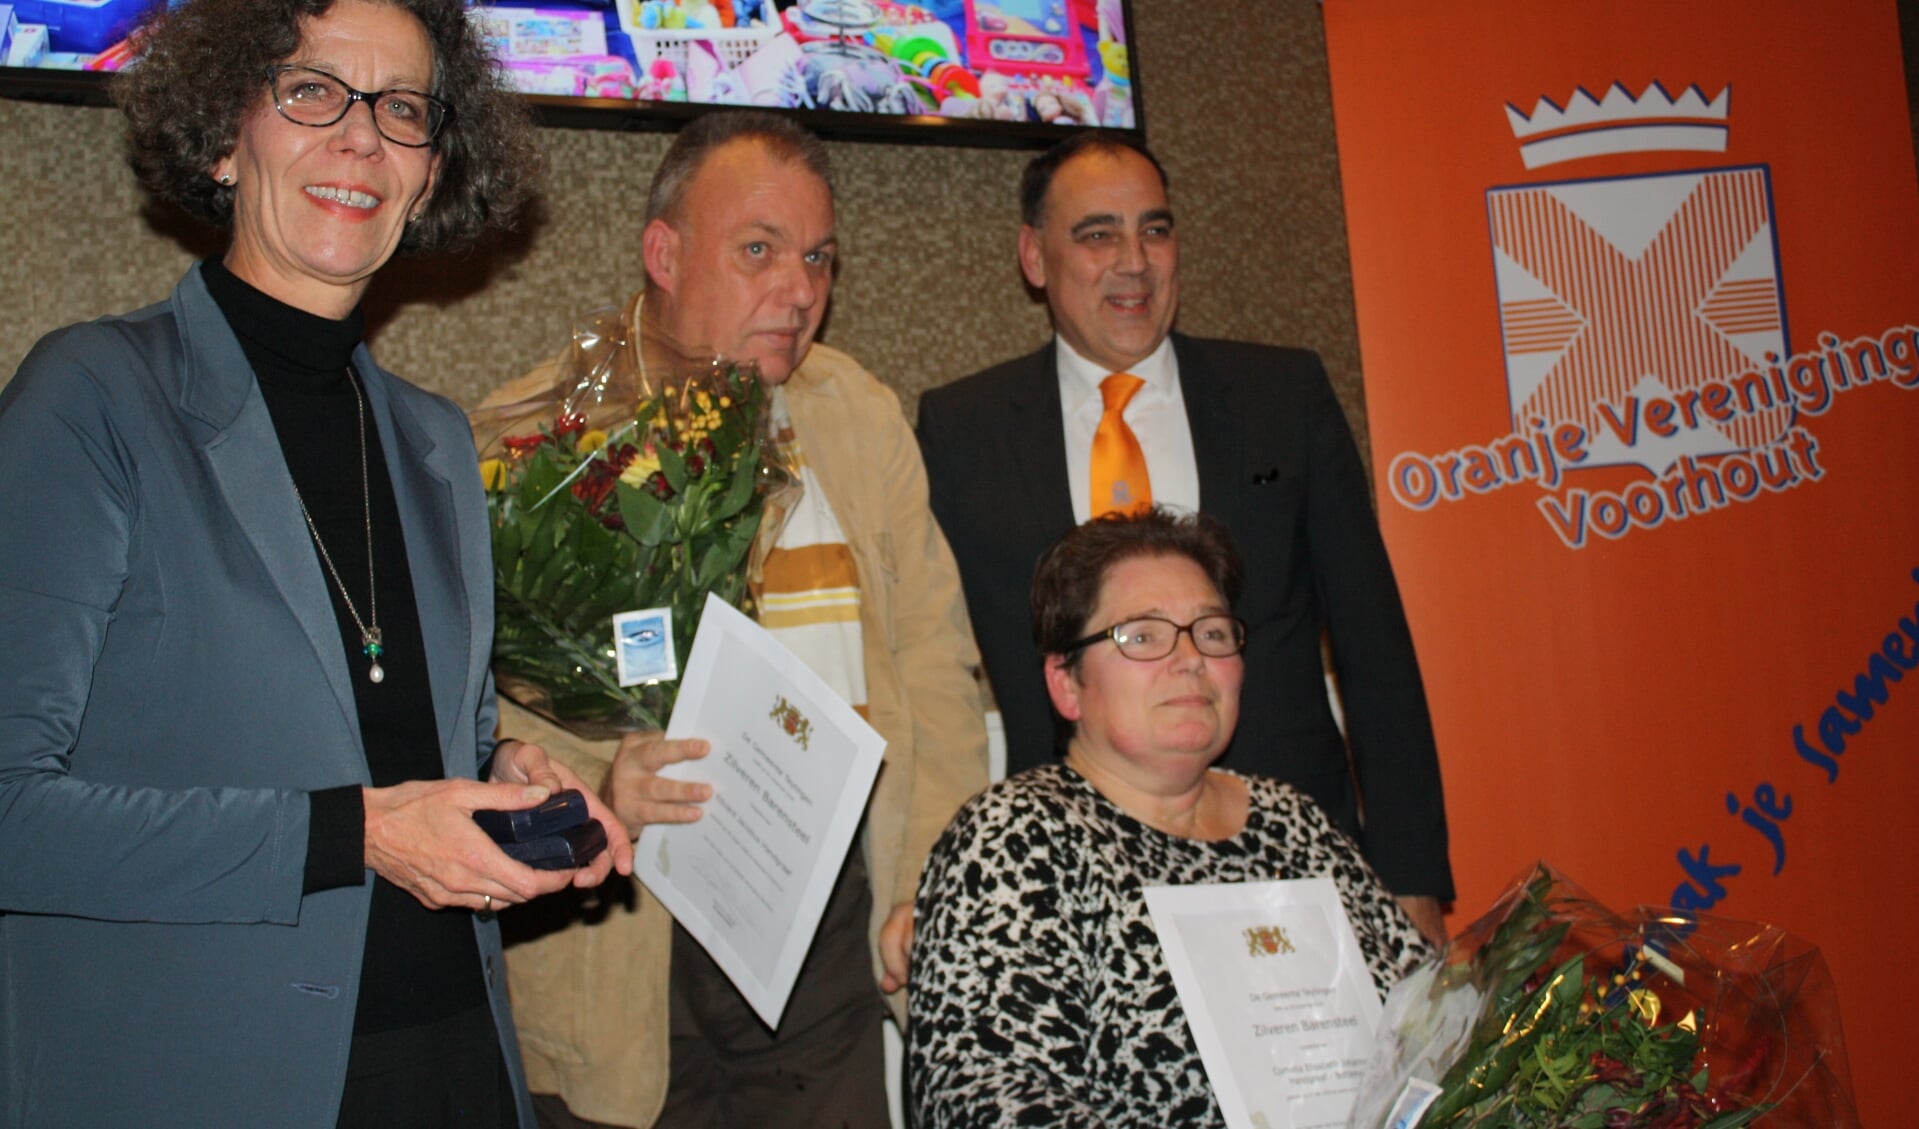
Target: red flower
[595,483]
[571,423]
[522,442]
[1609,1069]
[593,489]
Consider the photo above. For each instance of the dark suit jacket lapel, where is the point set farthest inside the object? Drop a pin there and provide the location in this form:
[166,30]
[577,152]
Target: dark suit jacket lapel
[1215,423]
[1036,431]
[217,389]
[422,473]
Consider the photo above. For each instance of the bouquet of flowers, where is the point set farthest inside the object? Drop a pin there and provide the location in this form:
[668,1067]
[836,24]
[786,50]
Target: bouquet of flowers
[1552,1011]
[636,478]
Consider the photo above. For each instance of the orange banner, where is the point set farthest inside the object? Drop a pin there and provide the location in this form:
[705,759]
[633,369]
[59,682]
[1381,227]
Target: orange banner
[1640,326]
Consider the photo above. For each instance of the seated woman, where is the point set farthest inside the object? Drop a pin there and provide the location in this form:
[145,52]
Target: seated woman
[1039,993]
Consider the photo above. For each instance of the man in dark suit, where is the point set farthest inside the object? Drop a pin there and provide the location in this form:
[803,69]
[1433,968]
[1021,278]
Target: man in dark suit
[1251,434]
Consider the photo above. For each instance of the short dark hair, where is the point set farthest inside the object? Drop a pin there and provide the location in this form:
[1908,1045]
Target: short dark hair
[204,69]
[708,133]
[1038,177]
[1071,574]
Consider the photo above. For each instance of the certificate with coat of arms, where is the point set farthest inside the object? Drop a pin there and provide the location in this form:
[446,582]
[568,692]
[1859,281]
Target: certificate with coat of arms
[1277,996]
[791,765]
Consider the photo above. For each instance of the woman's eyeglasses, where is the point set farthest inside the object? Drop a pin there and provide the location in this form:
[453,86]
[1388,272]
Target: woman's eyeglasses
[315,98]
[1152,637]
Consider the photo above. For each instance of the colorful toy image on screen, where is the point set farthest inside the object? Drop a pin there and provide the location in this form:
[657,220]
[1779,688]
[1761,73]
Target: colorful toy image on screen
[985,72]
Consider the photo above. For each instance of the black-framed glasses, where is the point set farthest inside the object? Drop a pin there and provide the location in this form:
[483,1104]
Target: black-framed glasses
[1154,637]
[305,96]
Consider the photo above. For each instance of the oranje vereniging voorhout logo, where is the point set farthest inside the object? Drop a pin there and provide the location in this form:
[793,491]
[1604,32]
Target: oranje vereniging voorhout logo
[1643,323]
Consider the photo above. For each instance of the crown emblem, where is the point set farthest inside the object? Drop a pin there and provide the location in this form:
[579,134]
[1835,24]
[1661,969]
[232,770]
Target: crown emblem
[1267,940]
[1654,121]
[796,724]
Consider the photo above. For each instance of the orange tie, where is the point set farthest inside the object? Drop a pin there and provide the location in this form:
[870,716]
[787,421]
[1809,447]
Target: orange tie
[1119,479]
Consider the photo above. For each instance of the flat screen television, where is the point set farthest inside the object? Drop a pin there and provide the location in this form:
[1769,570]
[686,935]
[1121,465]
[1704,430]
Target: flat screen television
[1009,73]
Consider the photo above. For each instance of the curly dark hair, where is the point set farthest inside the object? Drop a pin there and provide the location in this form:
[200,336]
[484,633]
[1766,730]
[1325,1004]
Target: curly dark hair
[204,69]
[1070,575]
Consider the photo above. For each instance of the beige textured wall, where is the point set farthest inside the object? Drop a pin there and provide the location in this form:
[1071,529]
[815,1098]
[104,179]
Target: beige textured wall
[1237,106]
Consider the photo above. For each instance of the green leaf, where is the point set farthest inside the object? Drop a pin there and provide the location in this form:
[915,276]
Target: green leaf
[714,563]
[541,478]
[1504,1062]
[739,491]
[554,568]
[1569,982]
[648,520]
[1464,1084]
[599,582]
[731,588]
[507,537]
[673,465]
[694,518]
[536,548]
[647,579]
[598,545]
[739,539]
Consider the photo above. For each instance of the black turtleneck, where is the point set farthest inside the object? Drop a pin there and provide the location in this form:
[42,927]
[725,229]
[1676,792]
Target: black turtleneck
[420,965]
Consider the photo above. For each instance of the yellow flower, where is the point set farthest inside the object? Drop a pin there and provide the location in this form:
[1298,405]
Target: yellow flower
[592,441]
[726,401]
[703,400]
[493,474]
[641,468]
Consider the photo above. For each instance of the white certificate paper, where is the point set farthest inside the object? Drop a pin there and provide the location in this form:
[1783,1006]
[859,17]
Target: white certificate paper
[791,766]
[1277,995]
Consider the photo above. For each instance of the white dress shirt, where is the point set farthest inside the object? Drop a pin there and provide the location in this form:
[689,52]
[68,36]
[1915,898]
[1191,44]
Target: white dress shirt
[1156,413]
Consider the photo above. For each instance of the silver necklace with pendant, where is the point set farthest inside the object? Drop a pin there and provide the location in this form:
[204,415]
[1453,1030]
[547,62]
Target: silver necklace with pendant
[369,631]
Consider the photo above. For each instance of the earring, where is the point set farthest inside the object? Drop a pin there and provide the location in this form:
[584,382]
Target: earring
[226,179]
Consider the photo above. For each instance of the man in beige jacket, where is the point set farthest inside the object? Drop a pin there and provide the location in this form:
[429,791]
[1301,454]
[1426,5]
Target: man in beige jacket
[623,1018]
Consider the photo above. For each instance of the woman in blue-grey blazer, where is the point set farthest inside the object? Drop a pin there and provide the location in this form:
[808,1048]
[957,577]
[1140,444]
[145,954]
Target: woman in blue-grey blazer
[247,606]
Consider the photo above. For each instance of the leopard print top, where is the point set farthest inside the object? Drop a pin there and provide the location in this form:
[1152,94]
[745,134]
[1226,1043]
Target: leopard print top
[1039,994]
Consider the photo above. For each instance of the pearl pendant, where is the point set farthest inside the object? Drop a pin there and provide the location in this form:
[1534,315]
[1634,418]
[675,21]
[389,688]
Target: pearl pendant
[376,673]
